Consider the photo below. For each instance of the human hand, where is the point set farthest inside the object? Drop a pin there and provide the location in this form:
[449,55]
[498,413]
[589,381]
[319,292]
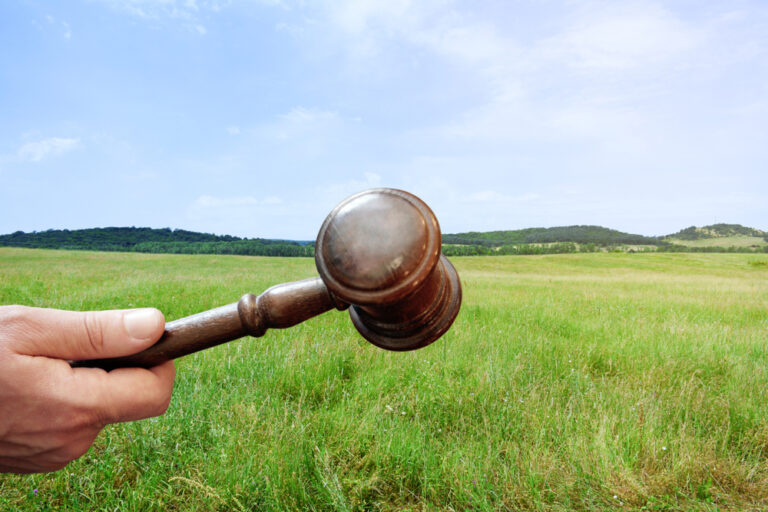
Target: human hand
[50,413]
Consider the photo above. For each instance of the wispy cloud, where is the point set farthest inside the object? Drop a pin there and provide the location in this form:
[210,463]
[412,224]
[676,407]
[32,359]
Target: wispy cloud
[622,37]
[228,202]
[494,196]
[66,31]
[46,148]
[155,9]
[184,13]
[184,10]
[306,116]
[244,215]
[583,74]
[302,123]
[338,191]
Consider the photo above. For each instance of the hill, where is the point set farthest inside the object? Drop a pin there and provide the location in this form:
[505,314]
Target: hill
[717,231]
[720,235]
[597,235]
[163,240]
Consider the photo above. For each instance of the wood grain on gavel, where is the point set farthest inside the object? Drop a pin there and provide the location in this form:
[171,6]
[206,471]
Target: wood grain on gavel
[377,253]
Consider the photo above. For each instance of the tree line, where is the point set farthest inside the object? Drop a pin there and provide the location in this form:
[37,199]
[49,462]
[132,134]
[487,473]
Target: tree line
[569,247]
[166,240]
[585,239]
[597,235]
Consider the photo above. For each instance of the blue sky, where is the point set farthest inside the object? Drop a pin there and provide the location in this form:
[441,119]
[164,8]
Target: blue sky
[254,118]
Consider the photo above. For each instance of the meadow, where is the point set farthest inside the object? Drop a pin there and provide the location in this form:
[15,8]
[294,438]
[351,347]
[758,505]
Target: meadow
[605,381]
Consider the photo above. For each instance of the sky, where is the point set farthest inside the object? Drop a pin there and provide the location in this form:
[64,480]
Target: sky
[256,117]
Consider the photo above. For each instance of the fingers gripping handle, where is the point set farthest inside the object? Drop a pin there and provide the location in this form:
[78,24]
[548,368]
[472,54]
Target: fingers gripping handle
[281,306]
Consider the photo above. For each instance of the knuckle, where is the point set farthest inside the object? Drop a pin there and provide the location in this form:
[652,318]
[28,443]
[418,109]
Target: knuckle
[94,331]
[12,313]
[13,318]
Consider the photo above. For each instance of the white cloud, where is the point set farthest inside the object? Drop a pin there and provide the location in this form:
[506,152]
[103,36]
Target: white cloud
[580,73]
[493,196]
[622,37]
[229,213]
[218,202]
[233,130]
[307,116]
[302,123]
[46,148]
[185,13]
[154,9]
[338,191]
[66,30]
[185,10]
[206,202]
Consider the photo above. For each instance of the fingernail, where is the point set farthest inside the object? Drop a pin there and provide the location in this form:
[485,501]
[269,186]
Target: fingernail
[141,323]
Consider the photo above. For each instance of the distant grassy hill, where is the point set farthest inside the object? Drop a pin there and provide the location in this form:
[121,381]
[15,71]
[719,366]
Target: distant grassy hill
[719,235]
[597,235]
[717,231]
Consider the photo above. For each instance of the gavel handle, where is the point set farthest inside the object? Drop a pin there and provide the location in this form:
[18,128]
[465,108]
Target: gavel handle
[281,306]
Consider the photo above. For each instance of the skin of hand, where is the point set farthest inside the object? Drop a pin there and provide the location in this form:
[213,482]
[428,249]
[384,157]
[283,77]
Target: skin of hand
[50,413]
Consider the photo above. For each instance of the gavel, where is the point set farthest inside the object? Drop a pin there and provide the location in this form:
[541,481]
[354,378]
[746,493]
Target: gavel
[378,255]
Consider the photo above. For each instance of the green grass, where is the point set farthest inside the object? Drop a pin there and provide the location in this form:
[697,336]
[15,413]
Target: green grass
[569,382]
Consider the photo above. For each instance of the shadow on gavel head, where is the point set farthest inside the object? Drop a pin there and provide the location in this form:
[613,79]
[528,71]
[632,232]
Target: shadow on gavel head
[379,251]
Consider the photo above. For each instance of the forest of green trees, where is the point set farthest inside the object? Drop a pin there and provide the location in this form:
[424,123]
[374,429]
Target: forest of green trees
[560,240]
[177,241]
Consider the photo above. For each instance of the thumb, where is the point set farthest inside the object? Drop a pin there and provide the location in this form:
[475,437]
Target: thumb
[81,335]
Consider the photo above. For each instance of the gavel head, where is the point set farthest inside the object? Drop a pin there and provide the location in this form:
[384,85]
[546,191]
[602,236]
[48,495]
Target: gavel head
[379,251]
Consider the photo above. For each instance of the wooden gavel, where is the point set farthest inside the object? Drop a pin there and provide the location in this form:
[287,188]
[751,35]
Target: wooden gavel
[377,253]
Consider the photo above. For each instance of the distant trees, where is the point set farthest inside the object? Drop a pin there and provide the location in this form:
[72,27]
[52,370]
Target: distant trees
[563,240]
[516,249]
[241,247]
[178,241]
[597,235]
[569,247]
[736,249]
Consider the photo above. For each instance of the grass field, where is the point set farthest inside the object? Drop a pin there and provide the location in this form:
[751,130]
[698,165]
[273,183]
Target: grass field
[569,382]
